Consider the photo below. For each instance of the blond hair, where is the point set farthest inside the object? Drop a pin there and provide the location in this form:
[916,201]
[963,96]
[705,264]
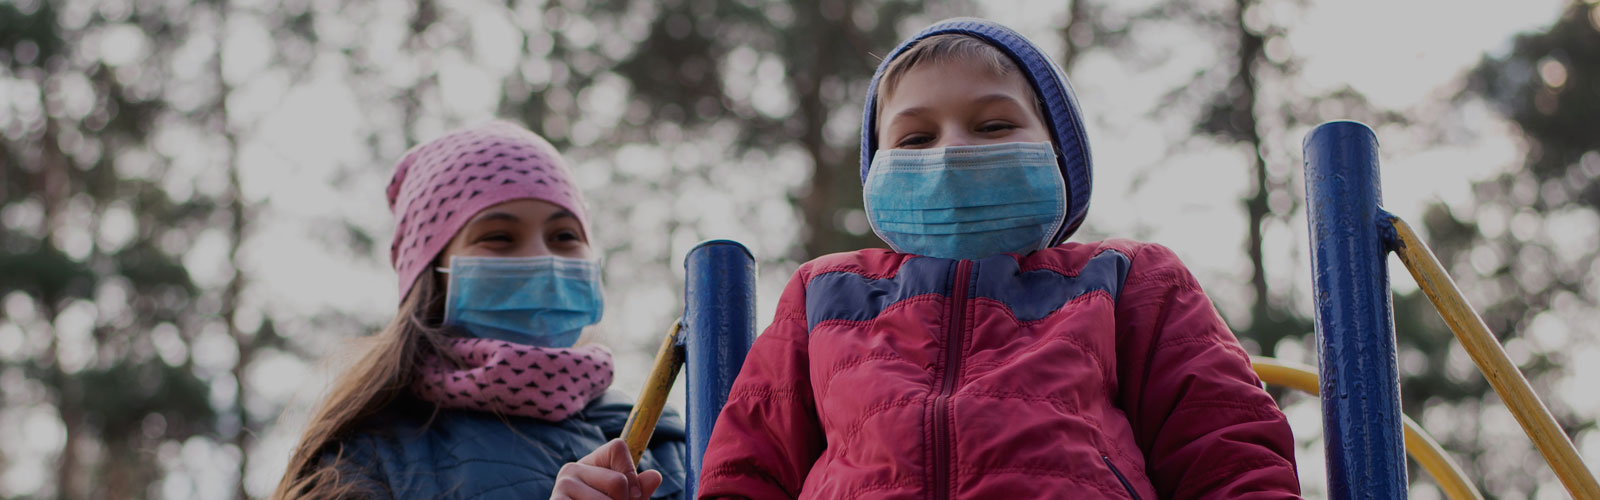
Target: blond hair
[943,48]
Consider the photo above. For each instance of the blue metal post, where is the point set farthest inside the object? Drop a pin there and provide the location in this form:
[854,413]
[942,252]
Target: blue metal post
[1355,319]
[719,320]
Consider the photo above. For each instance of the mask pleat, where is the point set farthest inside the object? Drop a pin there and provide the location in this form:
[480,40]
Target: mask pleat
[966,202]
[543,301]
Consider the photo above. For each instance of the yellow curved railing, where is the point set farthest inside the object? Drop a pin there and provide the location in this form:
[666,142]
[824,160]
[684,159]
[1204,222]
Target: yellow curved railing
[1422,448]
[1495,364]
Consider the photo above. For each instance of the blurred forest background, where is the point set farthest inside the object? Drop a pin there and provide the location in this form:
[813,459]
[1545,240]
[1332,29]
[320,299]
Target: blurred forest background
[192,218]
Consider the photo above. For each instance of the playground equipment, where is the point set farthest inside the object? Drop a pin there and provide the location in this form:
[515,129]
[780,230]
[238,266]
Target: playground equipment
[1360,386]
[1366,435]
[717,328]
[1423,448]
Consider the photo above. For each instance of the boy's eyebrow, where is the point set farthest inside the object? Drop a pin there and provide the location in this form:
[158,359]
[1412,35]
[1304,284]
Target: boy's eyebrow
[996,98]
[981,101]
[910,112]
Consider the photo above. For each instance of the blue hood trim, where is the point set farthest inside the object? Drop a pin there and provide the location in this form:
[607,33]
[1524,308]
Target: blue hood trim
[1049,82]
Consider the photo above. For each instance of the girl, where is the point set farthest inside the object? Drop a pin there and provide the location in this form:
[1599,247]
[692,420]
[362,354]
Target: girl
[476,388]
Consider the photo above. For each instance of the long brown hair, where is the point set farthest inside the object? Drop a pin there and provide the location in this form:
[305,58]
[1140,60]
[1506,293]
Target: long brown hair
[386,368]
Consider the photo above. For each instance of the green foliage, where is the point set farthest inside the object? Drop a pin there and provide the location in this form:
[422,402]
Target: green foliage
[46,274]
[59,178]
[1557,116]
[32,31]
[1560,174]
[677,71]
[1548,85]
[119,398]
[677,74]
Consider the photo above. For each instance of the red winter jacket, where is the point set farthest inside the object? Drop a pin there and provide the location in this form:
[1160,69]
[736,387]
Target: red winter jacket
[1081,371]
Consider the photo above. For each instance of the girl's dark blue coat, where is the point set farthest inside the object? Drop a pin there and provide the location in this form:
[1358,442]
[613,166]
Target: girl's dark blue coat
[462,454]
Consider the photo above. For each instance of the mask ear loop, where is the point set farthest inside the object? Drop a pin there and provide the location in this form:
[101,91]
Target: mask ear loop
[1061,220]
[449,291]
[446,269]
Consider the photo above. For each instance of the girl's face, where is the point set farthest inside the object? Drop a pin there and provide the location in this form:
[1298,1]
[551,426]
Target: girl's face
[520,228]
[959,103]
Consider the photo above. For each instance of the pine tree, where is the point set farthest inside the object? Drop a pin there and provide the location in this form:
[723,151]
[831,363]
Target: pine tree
[99,307]
[1527,252]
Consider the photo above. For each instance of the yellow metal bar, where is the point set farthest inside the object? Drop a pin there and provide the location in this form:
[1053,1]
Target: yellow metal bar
[1492,360]
[642,420]
[1422,448]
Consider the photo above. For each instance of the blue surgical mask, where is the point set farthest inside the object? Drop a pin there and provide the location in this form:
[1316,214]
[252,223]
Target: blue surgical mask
[966,202]
[543,301]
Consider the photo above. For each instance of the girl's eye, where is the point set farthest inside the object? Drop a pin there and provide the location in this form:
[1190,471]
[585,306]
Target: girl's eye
[566,236]
[496,237]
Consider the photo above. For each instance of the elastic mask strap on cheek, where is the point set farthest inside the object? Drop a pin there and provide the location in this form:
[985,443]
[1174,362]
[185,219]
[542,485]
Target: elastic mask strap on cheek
[451,265]
[452,292]
[444,269]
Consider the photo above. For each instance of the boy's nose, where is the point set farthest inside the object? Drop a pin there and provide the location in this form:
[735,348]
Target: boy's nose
[956,138]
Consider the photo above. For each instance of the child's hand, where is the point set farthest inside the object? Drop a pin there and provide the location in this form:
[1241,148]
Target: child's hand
[606,473]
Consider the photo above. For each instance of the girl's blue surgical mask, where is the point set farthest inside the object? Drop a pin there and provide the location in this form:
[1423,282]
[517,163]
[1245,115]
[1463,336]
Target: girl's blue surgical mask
[543,301]
[966,202]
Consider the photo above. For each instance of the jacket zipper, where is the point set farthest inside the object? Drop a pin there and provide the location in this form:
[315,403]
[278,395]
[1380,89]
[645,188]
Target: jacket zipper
[1125,484]
[943,485]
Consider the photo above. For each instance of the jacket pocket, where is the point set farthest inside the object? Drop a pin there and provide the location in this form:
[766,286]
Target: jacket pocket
[1120,478]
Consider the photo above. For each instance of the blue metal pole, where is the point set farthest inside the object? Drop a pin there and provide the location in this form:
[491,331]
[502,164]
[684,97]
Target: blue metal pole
[719,320]
[1355,319]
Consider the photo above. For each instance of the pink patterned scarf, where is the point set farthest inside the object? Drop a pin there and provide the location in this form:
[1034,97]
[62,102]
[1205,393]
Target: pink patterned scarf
[513,379]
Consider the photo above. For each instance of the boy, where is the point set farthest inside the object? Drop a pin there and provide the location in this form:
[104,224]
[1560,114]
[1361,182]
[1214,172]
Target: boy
[979,359]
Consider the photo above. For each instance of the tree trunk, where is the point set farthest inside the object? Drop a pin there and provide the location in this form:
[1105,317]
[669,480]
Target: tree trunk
[818,206]
[69,485]
[1077,24]
[1244,117]
[237,228]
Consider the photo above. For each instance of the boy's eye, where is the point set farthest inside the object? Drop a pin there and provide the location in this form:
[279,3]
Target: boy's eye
[914,140]
[995,127]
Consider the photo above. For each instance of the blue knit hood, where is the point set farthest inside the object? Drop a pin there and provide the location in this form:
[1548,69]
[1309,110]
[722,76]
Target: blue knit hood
[1049,83]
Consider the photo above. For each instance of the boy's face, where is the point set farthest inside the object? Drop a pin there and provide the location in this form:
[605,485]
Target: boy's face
[959,103]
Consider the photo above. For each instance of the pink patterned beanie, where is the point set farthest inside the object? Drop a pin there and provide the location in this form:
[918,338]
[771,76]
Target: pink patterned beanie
[440,185]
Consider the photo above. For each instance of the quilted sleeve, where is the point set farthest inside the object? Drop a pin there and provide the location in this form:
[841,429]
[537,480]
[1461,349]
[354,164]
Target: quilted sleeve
[667,455]
[768,436]
[357,469]
[1207,428]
